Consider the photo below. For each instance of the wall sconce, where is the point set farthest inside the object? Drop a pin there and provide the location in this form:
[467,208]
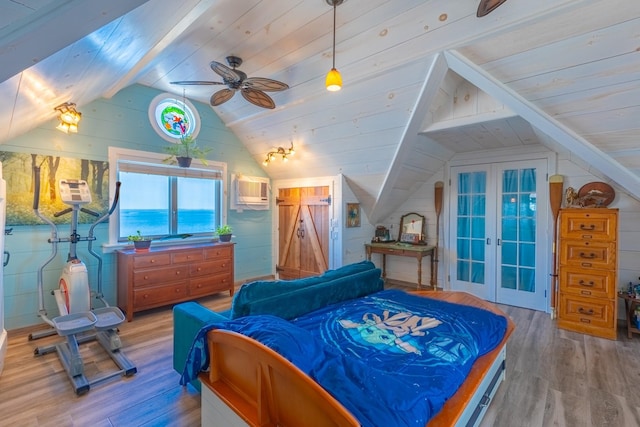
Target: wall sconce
[69,117]
[285,153]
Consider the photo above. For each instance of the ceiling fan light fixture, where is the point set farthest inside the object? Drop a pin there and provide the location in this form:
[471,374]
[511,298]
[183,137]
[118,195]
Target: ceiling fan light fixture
[252,88]
[333,81]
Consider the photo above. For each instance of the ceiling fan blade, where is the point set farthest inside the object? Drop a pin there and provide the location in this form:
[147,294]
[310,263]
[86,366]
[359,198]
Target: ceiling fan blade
[225,72]
[257,97]
[221,96]
[261,83]
[487,6]
[195,82]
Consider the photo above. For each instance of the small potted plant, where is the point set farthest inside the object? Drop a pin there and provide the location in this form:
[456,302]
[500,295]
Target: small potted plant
[224,233]
[140,243]
[182,152]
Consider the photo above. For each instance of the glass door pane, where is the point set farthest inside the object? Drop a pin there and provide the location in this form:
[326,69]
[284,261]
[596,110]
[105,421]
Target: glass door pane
[520,242]
[469,230]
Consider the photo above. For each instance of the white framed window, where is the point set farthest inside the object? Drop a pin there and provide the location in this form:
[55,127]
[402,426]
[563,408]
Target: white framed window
[164,201]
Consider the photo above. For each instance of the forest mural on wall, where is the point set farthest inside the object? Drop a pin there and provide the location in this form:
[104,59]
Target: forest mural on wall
[18,171]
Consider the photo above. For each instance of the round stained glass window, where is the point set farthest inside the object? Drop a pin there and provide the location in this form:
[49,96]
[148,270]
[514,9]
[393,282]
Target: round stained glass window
[173,118]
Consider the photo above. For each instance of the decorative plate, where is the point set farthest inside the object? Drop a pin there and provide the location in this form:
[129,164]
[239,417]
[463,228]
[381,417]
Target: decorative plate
[596,194]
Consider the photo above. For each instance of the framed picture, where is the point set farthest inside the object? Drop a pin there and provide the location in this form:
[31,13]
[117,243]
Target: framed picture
[353,215]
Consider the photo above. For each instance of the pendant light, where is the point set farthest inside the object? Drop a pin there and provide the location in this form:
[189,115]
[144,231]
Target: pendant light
[334,79]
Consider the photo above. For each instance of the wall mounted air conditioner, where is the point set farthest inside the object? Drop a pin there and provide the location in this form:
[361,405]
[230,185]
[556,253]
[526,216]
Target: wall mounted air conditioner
[251,192]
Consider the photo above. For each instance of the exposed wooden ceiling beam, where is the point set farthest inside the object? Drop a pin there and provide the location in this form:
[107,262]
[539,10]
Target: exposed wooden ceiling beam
[199,8]
[564,136]
[53,27]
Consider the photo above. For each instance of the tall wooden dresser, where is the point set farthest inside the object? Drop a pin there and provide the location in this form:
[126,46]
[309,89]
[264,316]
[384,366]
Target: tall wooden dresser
[587,271]
[171,274]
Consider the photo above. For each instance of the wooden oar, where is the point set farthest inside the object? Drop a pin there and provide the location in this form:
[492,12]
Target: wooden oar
[555,199]
[438,206]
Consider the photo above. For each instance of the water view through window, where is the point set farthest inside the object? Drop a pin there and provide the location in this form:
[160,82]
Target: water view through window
[159,205]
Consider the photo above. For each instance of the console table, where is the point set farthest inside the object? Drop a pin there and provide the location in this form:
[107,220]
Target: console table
[406,250]
[630,304]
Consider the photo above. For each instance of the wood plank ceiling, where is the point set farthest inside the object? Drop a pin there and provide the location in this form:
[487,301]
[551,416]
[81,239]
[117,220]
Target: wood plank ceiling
[423,80]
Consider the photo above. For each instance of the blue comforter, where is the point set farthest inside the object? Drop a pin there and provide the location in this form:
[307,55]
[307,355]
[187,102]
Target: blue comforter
[391,358]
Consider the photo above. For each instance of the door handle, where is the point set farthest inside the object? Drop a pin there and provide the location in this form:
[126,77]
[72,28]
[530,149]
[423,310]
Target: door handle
[488,241]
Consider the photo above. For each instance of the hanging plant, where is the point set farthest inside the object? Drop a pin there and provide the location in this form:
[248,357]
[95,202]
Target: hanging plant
[182,152]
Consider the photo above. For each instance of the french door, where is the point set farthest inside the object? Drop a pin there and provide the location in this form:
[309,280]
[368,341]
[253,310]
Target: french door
[499,240]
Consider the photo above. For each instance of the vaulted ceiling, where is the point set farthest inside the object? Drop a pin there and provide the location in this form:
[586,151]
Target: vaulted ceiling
[423,79]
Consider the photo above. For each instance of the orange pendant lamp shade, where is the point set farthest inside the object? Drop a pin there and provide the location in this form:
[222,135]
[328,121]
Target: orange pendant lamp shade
[334,80]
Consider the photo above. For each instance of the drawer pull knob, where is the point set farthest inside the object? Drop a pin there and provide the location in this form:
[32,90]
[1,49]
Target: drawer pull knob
[589,284]
[199,269]
[146,296]
[589,256]
[152,261]
[587,227]
[177,290]
[178,273]
[146,277]
[587,312]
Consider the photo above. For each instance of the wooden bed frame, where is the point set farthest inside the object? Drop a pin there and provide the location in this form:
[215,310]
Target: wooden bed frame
[250,384]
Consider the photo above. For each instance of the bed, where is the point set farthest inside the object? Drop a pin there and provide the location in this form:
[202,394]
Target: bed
[266,371]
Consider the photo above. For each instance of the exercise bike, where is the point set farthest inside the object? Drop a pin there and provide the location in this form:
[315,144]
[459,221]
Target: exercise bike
[78,321]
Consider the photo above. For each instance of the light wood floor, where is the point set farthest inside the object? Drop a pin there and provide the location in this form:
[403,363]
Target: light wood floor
[554,378]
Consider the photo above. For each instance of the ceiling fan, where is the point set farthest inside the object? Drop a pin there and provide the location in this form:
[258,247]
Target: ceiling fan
[487,6]
[252,88]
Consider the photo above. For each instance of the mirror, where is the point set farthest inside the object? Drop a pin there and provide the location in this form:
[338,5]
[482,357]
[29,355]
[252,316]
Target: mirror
[412,229]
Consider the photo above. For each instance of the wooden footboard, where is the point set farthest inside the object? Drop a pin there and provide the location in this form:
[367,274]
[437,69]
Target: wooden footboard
[263,388]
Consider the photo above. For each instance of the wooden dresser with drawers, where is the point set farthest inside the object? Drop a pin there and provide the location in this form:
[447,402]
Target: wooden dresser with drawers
[171,274]
[587,271]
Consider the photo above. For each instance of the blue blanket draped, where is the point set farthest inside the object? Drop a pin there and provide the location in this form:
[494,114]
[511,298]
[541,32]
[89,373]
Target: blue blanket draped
[390,358]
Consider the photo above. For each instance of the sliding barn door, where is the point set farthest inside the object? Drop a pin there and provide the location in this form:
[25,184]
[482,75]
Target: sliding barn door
[303,231]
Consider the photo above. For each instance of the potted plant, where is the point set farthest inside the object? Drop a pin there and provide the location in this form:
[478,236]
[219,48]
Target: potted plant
[182,152]
[140,243]
[224,233]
